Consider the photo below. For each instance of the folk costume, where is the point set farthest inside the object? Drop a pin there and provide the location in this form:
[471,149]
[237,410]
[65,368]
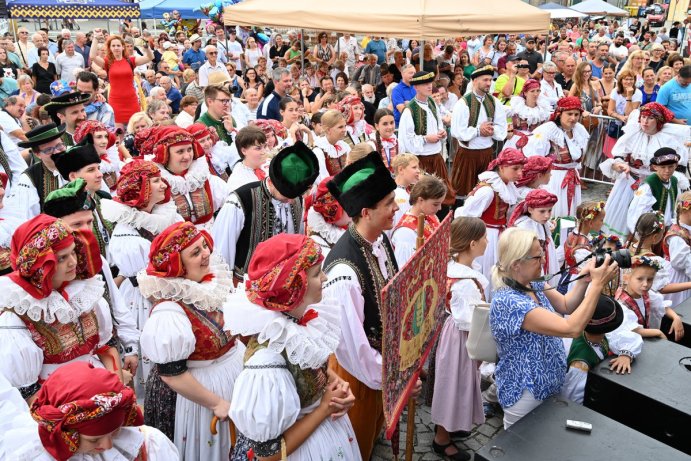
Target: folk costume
[110,160]
[356,131]
[419,119]
[322,211]
[636,149]
[185,333]
[133,233]
[64,101]
[525,118]
[358,270]
[285,369]
[43,328]
[404,235]
[196,192]
[490,201]
[654,194]
[578,246]
[566,150]
[221,158]
[677,250]
[475,151]
[78,399]
[650,307]
[8,223]
[533,167]
[332,157]
[387,147]
[538,198]
[254,213]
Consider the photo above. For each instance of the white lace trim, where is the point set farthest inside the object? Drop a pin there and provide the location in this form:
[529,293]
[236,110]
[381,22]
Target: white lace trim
[208,296]
[532,115]
[359,128]
[507,192]
[306,346]
[83,296]
[157,221]
[328,149]
[327,231]
[554,133]
[194,179]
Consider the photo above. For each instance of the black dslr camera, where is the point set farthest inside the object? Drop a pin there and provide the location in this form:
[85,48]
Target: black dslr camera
[621,257]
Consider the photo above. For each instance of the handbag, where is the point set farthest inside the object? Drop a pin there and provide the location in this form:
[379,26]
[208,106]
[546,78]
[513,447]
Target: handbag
[480,344]
[614,129]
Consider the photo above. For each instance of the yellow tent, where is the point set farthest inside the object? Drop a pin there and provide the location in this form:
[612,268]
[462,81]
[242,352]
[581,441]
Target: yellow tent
[414,19]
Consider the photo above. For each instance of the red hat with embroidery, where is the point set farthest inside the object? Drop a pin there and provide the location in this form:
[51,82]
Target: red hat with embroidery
[201,131]
[144,141]
[278,271]
[4,179]
[269,126]
[566,103]
[165,259]
[324,203]
[33,254]
[534,165]
[529,84]
[87,128]
[346,108]
[172,136]
[507,157]
[658,112]
[78,399]
[536,198]
[133,188]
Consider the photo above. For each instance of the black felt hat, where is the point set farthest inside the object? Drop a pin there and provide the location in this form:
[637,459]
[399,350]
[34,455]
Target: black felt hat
[362,184]
[69,199]
[486,70]
[75,159]
[293,170]
[607,317]
[422,77]
[42,134]
[665,156]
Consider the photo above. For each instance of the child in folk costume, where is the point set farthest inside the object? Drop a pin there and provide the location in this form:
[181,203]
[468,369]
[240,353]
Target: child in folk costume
[81,413]
[197,362]
[142,209]
[677,248]
[632,157]
[325,219]
[220,158]
[563,139]
[353,110]
[384,138]
[425,198]
[331,150]
[609,242]
[103,140]
[251,145]
[528,110]
[537,172]
[659,191]
[406,169]
[491,198]
[533,214]
[457,399]
[286,400]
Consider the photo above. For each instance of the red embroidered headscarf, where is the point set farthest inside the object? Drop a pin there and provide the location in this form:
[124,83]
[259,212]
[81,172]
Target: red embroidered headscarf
[80,399]
[324,203]
[171,136]
[507,157]
[33,253]
[165,259]
[536,198]
[534,166]
[272,126]
[201,131]
[529,84]
[658,112]
[89,127]
[566,103]
[133,187]
[346,108]
[278,271]
[144,141]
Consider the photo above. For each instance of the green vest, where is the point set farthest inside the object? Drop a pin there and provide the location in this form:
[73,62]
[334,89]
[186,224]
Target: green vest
[582,352]
[420,115]
[474,107]
[661,193]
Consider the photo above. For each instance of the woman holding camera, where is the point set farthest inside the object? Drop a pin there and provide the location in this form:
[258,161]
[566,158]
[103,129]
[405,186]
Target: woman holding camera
[527,323]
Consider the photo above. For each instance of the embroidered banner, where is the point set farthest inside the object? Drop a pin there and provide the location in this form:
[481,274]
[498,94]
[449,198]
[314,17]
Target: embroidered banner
[412,310]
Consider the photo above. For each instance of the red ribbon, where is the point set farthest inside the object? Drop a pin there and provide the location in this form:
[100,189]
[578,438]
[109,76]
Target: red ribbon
[105,158]
[571,180]
[308,316]
[207,278]
[259,173]
[636,184]
[105,350]
[338,148]
[391,140]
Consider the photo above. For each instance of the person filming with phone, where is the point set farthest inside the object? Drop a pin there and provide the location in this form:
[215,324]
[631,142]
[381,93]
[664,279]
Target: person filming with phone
[527,321]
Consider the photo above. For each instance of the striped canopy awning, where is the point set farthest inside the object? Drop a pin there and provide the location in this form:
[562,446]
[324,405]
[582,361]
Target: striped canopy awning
[73,9]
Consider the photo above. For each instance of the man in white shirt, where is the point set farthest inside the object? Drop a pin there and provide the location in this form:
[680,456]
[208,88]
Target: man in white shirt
[550,89]
[212,64]
[235,51]
[68,61]
[10,118]
[32,57]
[348,44]
[23,46]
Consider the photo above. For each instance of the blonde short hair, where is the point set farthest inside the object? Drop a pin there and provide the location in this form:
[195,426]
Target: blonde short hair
[358,151]
[330,118]
[402,161]
[514,245]
[136,118]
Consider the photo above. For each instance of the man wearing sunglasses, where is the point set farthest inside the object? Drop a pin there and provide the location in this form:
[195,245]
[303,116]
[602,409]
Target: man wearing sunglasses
[212,64]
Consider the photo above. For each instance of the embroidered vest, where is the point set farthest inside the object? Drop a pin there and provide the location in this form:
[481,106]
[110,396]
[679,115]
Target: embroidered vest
[574,242]
[410,221]
[103,238]
[661,193]
[260,222]
[420,115]
[310,384]
[583,352]
[111,180]
[60,342]
[354,251]
[387,157]
[496,213]
[43,180]
[560,154]
[335,165]
[201,209]
[488,103]
[67,139]
[675,230]
[629,302]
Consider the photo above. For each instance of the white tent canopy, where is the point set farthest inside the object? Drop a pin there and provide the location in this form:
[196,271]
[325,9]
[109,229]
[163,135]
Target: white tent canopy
[415,19]
[599,8]
[560,12]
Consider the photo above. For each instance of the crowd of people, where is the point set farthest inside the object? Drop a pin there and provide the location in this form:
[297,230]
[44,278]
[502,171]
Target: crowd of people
[195,231]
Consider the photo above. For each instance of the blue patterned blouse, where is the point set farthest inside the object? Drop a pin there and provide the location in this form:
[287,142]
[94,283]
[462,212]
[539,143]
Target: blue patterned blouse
[527,360]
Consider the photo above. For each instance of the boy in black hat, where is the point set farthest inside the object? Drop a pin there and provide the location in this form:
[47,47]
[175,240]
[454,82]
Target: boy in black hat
[41,178]
[659,191]
[261,209]
[68,110]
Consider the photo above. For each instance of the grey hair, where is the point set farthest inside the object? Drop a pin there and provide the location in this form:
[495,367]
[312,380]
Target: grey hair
[407,66]
[279,72]
[549,66]
[156,91]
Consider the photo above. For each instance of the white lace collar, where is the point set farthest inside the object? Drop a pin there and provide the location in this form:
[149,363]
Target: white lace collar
[458,271]
[194,179]
[208,296]
[307,346]
[83,296]
[552,132]
[507,192]
[157,221]
[327,231]
[532,115]
[329,149]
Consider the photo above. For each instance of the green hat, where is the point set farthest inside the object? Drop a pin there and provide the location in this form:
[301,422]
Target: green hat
[293,170]
[69,199]
[362,184]
[42,134]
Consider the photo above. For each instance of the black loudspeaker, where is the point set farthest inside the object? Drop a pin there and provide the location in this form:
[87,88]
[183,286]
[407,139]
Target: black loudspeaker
[684,311]
[542,436]
[653,399]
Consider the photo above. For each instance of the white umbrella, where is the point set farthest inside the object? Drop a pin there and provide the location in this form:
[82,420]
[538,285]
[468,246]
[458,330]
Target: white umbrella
[560,12]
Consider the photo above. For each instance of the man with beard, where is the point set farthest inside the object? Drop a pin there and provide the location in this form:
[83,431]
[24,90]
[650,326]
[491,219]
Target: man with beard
[96,107]
[68,110]
[617,50]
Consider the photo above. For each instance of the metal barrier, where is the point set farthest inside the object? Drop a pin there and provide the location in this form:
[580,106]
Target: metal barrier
[594,154]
